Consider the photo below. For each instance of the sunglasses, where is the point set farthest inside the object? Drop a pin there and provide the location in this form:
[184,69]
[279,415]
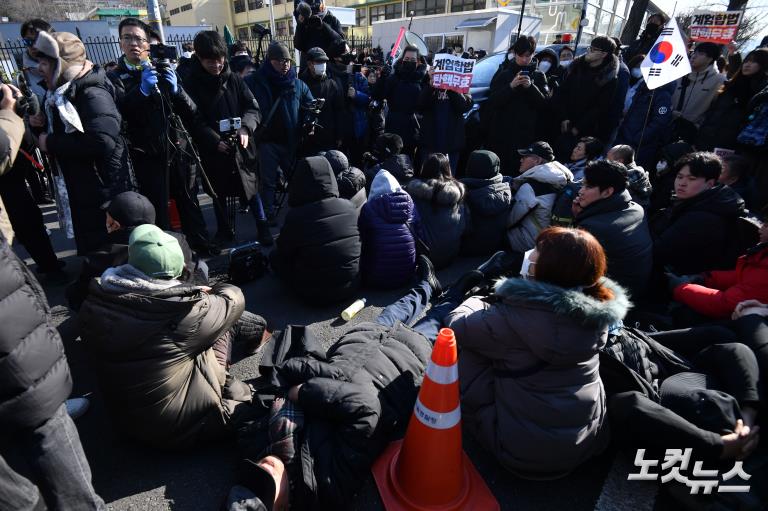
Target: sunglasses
[29,41]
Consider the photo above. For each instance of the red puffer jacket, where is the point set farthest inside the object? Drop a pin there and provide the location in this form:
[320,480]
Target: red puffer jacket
[723,290]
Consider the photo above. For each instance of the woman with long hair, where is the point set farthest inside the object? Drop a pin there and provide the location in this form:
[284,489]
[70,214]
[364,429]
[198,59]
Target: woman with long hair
[530,389]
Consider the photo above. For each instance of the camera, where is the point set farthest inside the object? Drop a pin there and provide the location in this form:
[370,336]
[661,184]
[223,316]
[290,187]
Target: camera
[26,102]
[228,130]
[162,55]
[313,109]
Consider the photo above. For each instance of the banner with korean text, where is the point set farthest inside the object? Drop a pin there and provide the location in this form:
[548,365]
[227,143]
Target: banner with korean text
[715,27]
[452,73]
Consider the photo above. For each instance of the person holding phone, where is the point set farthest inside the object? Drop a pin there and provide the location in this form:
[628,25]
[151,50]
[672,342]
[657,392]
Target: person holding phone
[516,104]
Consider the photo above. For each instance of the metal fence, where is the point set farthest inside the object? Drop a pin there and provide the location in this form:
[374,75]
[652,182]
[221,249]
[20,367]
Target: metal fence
[101,50]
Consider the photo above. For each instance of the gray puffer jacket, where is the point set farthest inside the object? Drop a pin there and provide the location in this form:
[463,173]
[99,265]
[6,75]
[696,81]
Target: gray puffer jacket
[530,389]
[443,217]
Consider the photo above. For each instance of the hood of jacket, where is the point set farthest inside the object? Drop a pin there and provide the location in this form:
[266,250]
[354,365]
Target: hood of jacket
[551,53]
[449,194]
[313,181]
[384,183]
[583,309]
[488,197]
[483,165]
[393,208]
[552,173]
[719,200]
[606,72]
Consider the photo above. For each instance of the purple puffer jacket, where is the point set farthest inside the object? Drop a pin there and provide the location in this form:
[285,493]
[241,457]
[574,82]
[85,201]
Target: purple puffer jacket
[389,250]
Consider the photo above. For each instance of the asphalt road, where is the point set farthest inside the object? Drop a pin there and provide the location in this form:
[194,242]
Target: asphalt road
[131,477]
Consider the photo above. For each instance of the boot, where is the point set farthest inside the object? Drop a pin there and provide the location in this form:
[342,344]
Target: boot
[501,263]
[264,234]
[425,271]
[457,291]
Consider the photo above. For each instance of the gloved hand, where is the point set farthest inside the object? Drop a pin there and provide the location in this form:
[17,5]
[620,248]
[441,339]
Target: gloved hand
[148,80]
[169,76]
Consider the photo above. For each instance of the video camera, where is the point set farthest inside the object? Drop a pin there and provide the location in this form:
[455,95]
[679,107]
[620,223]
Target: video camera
[310,12]
[228,131]
[162,55]
[313,109]
[26,102]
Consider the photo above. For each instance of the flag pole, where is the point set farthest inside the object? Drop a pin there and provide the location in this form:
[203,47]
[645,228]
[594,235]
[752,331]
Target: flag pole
[647,114]
[520,24]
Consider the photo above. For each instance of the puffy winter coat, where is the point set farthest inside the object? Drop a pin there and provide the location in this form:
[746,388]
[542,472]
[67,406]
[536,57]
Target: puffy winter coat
[355,403]
[620,226]
[528,373]
[695,93]
[223,97]
[489,200]
[399,165]
[95,162]
[402,91]
[443,119]
[721,291]
[535,194]
[318,251]
[586,96]
[639,184]
[156,367]
[351,184]
[33,369]
[389,248]
[694,235]
[658,116]
[323,36]
[443,217]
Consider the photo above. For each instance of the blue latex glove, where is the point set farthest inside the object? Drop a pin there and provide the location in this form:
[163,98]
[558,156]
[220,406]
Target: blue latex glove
[170,77]
[148,80]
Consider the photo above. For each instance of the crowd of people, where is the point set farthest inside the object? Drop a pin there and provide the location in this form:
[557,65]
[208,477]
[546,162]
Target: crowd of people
[598,202]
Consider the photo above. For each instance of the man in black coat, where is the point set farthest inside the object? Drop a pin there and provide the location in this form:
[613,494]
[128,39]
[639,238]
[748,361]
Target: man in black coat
[645,41]
[36,379]
[331,119]
[605,209]
[516,100]
[145,96]
[316,27]
[228,154]
[318,251]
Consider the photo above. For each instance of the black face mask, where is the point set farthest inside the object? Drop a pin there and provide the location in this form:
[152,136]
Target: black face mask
[409,66]
[652,29]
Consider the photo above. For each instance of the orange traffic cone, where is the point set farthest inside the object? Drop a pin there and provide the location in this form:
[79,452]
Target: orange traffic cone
[428,470]
[173,215]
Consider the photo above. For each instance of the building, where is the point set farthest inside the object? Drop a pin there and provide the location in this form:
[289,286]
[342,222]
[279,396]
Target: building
[216,13]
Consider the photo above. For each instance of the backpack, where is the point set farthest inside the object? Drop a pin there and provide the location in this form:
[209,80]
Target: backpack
[562,214]
[744,235]
[755,133]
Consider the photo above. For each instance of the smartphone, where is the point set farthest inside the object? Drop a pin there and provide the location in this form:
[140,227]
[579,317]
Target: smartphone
[525,72]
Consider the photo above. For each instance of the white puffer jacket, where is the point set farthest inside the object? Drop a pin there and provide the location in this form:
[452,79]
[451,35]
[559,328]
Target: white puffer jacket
[532,210]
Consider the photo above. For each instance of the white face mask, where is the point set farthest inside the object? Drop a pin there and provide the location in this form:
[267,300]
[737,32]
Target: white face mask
[565,63]
[319,69]
[525,269]
[637,72]
[661,166]
[545,66]
[511,56]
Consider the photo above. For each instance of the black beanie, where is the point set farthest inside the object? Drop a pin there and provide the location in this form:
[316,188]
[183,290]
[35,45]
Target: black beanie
[131,209]
[389,144]
[603,43]
[482,165]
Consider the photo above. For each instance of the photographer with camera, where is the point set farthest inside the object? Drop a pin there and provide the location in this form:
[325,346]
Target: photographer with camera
[283,98]
[228,150]
[159,152]
[316,27]
[331,118]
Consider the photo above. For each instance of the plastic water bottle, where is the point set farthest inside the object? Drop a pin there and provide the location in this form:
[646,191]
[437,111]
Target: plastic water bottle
[353,309]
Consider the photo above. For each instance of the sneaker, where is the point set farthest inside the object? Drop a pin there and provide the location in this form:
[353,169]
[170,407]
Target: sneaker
[77,406]
[499,264]
[425,271]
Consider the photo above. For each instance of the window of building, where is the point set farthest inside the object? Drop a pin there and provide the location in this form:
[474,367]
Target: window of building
[386,12]
[278,2]
[425,7]
[467,5]
[452,40]
[174,11]
[361,17]
[242,33]
[185,7]
[255,4]
[239,5]
[618,25]
[621,7]
[604,24]
[592,17]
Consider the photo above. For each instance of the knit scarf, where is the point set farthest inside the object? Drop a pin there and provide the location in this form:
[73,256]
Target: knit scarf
[129,279]
[283,83]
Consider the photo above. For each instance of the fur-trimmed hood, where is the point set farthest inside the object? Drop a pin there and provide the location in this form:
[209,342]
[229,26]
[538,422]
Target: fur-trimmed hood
[584,309]
[553,173]
[450,194]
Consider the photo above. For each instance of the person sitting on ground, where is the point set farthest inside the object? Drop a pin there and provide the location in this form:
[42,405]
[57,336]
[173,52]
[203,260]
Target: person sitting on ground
[489,199]
[532,350]
[389,223]
[351,180]
[318,251]
[535,191]
[638,183]
[161,347]
[664,177]
[125,212]
[716,294]
[439,197]
[736,174]
[605,209]
[587,149]
[693,235]
[387,152]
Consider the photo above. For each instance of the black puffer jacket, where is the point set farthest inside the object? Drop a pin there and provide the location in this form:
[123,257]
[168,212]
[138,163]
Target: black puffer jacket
[331,118]
[402,90]
[355,404]
[443,119]
[399,165]
[95,163]
[489,200]
[34,374]
[153,355]
[351,180]
[318,251]
[222,97]
[694,235]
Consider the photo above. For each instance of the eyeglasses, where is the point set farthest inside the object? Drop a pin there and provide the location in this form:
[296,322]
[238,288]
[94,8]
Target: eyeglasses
[595,50]
[132,39]
[283,61]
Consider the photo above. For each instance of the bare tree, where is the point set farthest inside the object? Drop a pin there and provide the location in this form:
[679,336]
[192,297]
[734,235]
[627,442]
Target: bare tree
[21,10]
[751,25]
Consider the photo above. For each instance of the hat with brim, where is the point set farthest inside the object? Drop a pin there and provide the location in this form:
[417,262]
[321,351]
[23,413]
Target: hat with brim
[155,253]
[694,397]
[67,50]
[540,149]
[317,55]
[258,480]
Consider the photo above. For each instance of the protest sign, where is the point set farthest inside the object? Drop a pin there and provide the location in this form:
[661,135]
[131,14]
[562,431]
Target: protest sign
[452,73]
[715,27]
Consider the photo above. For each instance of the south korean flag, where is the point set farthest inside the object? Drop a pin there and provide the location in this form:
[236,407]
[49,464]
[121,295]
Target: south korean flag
[668,59]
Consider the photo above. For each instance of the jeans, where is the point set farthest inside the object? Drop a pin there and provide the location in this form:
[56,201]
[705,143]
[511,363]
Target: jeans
[272,159]
[410,306]
[60,467]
